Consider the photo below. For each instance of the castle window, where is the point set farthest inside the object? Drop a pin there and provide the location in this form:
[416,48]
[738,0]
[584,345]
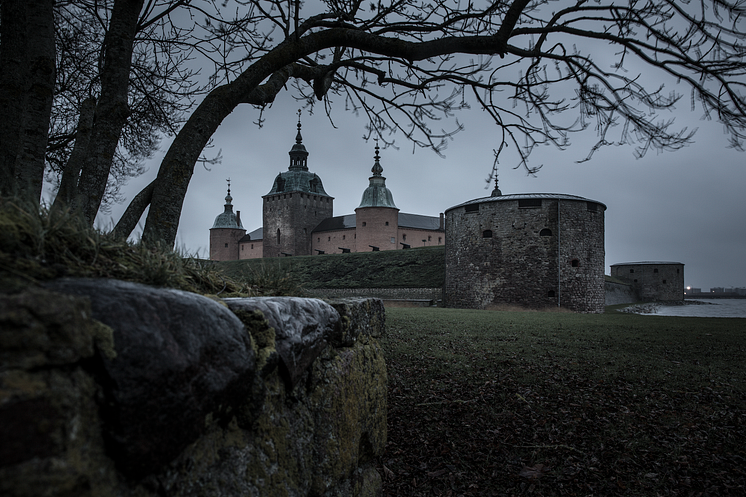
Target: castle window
[252,246]
[472,208]
[243,247]
[545,232]
[364,223]
[664,282]
[329,239]
[635,281]
[429,238]
[343,237]
[278,236]
[387,223]
[487,234]
[318,239]
[404,237]
[575,263]
[550,293]
[592,206]
[631,271]
[226,245]
[439,240]
[655,270]
[393,240]
[529,203]
[305,231]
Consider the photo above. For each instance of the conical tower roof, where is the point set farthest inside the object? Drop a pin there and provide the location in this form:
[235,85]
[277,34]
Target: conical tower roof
[377,195]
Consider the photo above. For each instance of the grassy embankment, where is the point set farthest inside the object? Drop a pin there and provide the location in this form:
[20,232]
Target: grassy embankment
[422,267]
[547,403]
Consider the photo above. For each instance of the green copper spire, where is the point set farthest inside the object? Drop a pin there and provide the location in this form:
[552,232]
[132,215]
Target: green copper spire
[377,195]
[228,219]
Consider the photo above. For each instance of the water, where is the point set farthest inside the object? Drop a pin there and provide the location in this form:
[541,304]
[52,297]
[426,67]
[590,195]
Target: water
[710,308]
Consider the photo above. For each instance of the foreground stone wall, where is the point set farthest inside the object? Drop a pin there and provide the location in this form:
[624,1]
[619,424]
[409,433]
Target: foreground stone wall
[117,389]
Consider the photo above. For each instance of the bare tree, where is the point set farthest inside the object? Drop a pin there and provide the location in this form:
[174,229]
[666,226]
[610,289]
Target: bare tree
[533,66]
[542,70]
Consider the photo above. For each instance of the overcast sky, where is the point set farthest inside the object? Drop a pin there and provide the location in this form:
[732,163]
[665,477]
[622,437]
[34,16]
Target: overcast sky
[686,206]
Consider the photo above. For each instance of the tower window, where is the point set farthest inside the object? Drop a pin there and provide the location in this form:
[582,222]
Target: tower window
[329,239]
[664,282]
[226,245]
[592,206]
[487,234]
[387,223]
[528,203]
[404,237]
[545,232]
[655,270]
[631,271]
[575,263]
[439,239]
[429,238]
[278,236]
[364,223]
[243,247]
[343,237]
[550,293]
[472,208]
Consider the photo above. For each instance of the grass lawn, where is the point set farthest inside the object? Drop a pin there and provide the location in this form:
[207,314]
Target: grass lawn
[550,403]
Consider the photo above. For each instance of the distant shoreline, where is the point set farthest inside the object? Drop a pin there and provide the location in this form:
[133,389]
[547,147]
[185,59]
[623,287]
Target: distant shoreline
[715,296]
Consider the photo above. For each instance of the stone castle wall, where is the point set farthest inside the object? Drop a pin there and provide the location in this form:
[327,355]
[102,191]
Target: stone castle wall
[432,294]
[289,218]
[118,389]
[510,251]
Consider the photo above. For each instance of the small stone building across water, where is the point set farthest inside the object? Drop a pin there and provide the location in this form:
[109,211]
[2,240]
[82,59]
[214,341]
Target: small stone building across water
[652,280]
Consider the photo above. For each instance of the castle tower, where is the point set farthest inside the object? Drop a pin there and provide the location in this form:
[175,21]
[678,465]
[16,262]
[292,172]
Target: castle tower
[225,232]
[294,206]
[377,217]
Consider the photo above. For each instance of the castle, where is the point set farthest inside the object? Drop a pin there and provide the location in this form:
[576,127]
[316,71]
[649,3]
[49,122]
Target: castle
[298,219]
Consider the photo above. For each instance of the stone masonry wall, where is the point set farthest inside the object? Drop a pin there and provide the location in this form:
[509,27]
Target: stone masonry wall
[110,388]
[500,252]
[653,281]
[434,294]
[295,214]
[619,293]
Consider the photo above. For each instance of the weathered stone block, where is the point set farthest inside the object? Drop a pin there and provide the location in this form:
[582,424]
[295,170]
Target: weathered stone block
[179,357]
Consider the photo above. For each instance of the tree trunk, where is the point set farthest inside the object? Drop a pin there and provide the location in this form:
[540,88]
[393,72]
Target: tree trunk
[40,57]
[27,68]
[132,215]
[112,109]
[69,182]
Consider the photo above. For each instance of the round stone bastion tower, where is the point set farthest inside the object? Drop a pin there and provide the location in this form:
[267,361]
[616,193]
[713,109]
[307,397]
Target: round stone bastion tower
[533,250]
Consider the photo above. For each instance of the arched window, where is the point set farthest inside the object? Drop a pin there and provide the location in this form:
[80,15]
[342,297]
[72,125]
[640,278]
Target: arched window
[545,232]
[487,234]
